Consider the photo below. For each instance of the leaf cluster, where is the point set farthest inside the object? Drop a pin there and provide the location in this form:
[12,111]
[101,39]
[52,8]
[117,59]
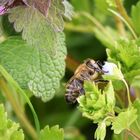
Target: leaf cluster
[95,104]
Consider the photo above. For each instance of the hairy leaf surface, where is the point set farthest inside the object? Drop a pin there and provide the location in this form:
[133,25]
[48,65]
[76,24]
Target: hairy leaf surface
[35,29]
[34,68]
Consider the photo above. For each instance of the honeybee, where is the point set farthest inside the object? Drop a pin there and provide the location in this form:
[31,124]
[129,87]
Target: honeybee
[90,70]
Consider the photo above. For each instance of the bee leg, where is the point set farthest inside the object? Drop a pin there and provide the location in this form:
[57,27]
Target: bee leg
[101,83]
[101,80]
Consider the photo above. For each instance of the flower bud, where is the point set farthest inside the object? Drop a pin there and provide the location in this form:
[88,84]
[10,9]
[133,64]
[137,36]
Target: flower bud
[112,72]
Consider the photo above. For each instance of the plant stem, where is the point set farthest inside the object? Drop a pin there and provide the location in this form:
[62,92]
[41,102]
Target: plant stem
[128,92]
[133,134]
[123,13]
[120,26]
[15,85]
[16,107]
[127,24]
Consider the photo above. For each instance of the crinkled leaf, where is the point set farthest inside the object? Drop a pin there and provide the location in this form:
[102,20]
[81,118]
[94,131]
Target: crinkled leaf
[9,130]
[100,131]
[33,68]
[124,120]
[93,103]
[41,5]
[53,10]
[53,133]
[55,15]
[135,13]
[34,26]
[127,53]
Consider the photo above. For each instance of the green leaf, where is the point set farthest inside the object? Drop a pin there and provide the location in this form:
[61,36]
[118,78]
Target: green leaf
[9,130]
[135,127]
[68,10]
[127,53]
[94,104]
[135,13]
[110,96]
[33,68]
[53,133]
[54,11]
[35,28]
[122,136]
[124,120]
[55,15]
[100,131]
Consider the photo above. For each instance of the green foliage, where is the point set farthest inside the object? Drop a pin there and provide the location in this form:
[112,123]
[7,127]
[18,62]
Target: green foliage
[127,54]
[33,52]
[135,13]
[34,68]
[9,130]
[124,120]
[53,133]
[96,105]
[35,28]
[100,131]
[135,127]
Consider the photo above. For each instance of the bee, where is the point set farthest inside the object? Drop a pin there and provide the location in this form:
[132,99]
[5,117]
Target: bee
[90,70]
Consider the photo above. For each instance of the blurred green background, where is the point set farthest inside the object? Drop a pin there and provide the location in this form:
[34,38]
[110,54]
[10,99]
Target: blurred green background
[81,43]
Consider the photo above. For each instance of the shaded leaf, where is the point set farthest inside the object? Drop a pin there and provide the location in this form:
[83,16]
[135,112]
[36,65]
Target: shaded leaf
[34,26]
[53,10]
[33,68]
